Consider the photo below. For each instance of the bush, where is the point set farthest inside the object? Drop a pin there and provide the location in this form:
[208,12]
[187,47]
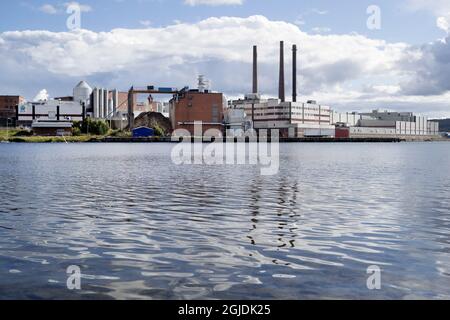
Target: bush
[24,133]
[159,131]
[89,126]
[76,132]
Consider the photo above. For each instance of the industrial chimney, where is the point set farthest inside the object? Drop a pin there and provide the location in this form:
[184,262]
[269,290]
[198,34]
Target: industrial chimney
[255,69]
[281,89]
[294,73]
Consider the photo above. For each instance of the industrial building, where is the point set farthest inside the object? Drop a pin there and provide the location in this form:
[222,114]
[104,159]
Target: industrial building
[8,106]
[295,120]
[52,128]
[105,103]
[291,118]
[393,124]
[236,121]
[197,105]
[53,110]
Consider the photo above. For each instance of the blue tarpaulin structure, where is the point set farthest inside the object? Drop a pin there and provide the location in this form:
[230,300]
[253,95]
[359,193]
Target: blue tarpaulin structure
[143,132]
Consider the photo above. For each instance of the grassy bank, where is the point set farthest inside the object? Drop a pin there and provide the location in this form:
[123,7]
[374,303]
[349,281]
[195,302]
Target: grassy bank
[24,137]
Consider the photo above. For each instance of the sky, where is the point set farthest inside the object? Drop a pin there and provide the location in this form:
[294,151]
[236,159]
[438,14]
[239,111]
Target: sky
[355,55]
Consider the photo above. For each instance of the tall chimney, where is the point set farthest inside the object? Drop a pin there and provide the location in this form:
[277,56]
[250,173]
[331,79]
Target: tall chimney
[255,69]
[294,73]
[281,89]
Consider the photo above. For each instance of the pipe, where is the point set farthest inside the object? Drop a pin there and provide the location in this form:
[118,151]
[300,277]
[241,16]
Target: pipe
[281,89]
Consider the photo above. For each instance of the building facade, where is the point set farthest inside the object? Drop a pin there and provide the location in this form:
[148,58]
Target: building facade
[8,105]
[292,119]
[51,110]
[191,106]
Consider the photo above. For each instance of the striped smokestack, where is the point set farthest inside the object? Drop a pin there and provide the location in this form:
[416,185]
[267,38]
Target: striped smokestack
[281,89]
[294,73]
[255,69]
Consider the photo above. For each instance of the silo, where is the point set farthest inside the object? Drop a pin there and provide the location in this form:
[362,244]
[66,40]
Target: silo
[101,103]
[115,100]
[96,103]
[82,93]
[105,103]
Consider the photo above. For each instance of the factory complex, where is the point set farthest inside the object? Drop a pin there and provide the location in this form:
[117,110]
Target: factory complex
[186,107]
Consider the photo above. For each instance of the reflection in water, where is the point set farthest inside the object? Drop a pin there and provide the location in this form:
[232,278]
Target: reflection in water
[140,227]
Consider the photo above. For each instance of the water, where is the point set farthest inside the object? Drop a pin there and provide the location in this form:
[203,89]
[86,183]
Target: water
[140,227]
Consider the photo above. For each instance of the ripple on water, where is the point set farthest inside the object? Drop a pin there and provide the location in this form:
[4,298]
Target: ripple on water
[142,228]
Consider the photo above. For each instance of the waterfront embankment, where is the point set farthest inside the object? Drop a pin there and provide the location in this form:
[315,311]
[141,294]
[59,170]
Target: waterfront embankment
[18,136]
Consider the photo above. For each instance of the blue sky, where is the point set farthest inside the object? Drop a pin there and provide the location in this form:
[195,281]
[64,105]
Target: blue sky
[402,65]
[400,23]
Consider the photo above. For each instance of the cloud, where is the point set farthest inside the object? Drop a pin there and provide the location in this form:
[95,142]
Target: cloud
[428,68]
[41,96]
[443,23]
[321,30]
[300,21]
[348,71]
[213,2]
[435,6]
[439,8]
[61,8]
[83,7]
[145,23]
[319,12]
[49,9]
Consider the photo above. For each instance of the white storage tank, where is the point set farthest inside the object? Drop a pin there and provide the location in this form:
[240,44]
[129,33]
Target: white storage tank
[82,93]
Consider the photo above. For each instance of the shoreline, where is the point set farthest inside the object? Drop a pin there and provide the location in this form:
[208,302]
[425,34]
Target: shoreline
[107,139]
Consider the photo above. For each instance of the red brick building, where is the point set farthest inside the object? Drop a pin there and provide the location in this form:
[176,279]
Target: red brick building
[191,106]
[8,107]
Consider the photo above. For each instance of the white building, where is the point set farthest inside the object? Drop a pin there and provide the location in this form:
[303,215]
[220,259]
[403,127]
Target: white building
[293,119]
[68,109]
[50,110]
[386,123]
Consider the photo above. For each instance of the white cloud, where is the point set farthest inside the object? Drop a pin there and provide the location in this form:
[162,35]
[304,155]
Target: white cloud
[435,6]
[321,30]
[145,23]
[49,9]
[443,23]
[62,7]
[352,68]
[319,12]
[439,8]
[83,7]
[213,2]
[41,96]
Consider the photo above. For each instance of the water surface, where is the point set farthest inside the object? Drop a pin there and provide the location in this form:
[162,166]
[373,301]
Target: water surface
[140,227]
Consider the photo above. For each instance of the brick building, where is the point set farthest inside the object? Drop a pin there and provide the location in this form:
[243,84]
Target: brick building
[193,105]
[8,106]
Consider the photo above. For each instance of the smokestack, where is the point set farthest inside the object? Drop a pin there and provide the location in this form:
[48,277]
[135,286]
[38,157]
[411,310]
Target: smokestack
[294,73]
[281,89]
[255,69]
